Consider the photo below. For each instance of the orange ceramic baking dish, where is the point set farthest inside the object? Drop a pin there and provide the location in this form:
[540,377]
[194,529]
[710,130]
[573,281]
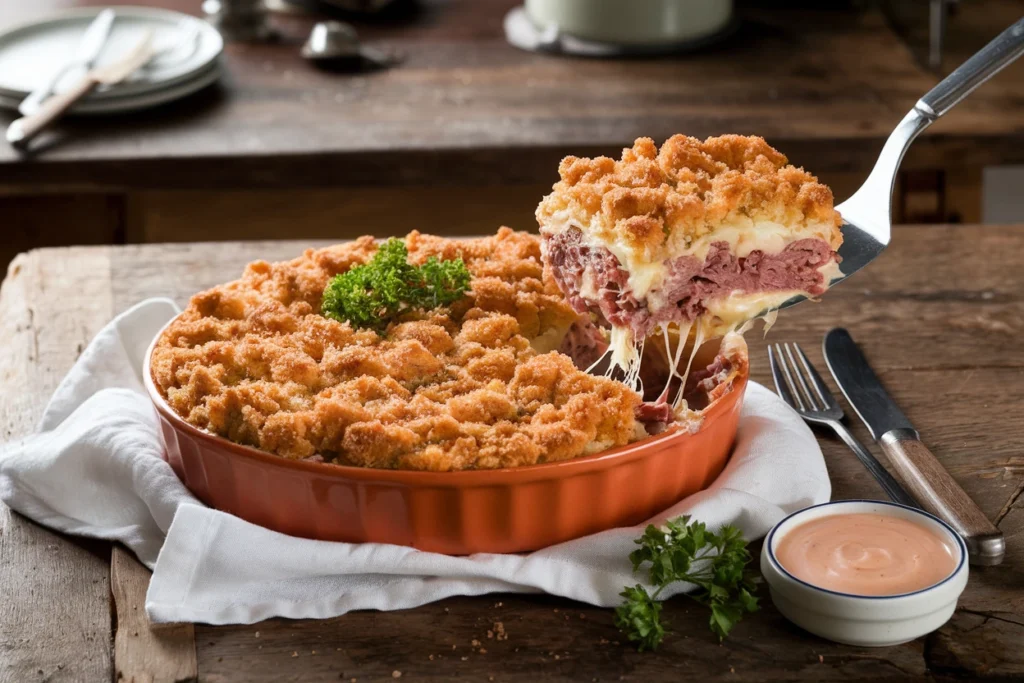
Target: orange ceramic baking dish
[458,513]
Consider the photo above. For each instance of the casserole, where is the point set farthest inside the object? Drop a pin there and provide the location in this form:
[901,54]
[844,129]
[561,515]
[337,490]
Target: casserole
[463,512]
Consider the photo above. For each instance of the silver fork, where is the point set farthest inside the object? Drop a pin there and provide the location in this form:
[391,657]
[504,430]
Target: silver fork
[800,385]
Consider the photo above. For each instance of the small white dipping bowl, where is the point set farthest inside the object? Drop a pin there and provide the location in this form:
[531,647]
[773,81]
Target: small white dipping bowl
[865,620]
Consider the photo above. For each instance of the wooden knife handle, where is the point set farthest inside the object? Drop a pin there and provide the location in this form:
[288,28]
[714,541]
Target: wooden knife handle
[938,493]
[24,129]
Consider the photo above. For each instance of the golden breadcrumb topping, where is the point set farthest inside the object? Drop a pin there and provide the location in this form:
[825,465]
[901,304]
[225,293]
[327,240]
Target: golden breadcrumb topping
[652,199]
[254,361]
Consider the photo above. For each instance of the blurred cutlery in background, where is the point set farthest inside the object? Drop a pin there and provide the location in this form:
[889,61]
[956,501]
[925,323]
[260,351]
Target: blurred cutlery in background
[89,49]
[22,130]
[179,48]
[335,45]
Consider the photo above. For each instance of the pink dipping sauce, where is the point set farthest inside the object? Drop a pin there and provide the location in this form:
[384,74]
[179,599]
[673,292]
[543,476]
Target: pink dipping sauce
[866,554]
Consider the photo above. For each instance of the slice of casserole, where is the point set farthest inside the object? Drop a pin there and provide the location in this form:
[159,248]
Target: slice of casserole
[689,241]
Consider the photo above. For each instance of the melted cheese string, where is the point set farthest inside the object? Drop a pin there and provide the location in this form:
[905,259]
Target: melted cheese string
[680,403]
[600,359]
[663,396]
[626,354]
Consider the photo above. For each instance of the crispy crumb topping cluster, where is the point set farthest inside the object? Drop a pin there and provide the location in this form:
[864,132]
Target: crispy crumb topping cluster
[684,191]
[462,388]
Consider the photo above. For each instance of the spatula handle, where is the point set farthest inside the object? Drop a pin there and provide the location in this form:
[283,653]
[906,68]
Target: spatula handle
[938,493]
[21,131]
[1006,47]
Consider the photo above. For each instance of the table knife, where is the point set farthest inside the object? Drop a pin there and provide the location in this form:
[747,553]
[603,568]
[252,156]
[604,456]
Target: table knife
[89,48]
[24,129]
[920,472]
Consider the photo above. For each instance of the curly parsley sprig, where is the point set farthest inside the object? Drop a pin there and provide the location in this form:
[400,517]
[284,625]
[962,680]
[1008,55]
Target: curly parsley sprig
[374,294]
[687,551]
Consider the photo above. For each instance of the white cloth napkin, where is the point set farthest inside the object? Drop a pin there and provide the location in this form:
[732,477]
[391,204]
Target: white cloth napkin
[96,469]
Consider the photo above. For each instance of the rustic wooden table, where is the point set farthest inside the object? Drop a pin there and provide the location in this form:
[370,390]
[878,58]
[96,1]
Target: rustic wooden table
[940,316]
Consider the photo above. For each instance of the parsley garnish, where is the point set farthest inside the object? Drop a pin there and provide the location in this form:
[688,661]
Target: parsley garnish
[687,551]
[372,295]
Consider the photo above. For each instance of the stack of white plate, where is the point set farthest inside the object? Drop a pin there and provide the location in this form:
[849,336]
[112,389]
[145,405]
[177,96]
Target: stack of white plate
[188,58]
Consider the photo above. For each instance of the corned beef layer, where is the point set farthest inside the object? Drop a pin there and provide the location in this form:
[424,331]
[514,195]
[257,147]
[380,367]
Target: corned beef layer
[656,413]
[689,284]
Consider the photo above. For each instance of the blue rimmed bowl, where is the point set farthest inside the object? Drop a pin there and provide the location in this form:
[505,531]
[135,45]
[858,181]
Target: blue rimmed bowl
[864,620]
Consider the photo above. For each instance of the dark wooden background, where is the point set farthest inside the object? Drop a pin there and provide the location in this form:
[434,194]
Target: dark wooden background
[468,131]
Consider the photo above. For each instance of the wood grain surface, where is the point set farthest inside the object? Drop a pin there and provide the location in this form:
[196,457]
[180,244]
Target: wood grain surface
[937,315]
[54,590]
[144,652]
[465,107]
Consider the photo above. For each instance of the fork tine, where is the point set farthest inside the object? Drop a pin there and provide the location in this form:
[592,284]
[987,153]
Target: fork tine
[827,399]
[783,381]
[804,389]
[780,385]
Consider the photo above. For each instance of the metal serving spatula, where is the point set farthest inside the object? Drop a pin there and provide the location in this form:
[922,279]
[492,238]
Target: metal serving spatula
[867,215]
